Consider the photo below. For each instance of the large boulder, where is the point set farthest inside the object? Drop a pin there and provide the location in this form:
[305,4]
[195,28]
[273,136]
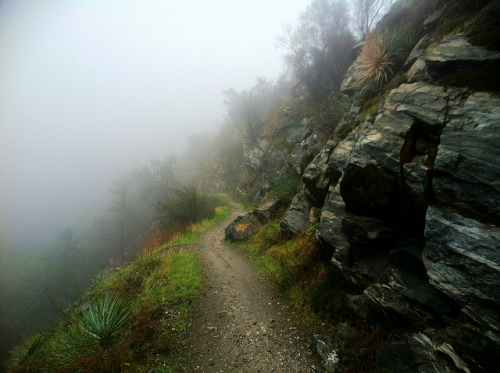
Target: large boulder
[381,304]
[418,353]
[246,225]
[467,166]
[298,216]
[429,145]
[456,53]
[457,62]
[243,226]
[462,258]
[462,230]
[317,175]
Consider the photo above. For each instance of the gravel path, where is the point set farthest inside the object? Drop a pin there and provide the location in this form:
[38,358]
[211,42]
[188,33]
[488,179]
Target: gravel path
[243,324]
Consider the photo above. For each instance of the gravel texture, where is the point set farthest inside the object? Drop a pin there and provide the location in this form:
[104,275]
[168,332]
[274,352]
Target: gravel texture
[242,323]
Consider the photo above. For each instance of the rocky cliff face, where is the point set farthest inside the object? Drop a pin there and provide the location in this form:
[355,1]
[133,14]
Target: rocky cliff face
[411,218]
[410,210]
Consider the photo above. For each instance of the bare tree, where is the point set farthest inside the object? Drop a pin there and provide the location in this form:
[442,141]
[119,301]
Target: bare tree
[366,14]
[248,109]
[126,191]
[318,50]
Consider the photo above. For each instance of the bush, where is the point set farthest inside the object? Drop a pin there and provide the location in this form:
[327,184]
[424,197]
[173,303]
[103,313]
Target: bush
[401,41]
[186,207]
[286,189]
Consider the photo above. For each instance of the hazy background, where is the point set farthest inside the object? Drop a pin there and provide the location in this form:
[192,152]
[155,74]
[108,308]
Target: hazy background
[90,89]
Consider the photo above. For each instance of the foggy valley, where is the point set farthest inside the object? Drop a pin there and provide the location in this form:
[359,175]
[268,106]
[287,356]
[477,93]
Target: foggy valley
[90,91]
[249,186]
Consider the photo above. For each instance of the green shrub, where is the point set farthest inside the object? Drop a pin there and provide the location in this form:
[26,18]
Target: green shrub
[345,129]
[483,30]
[401,41]
[286,189]
[187,206]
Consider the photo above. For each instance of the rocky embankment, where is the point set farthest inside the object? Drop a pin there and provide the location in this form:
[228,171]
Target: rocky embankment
[410,211]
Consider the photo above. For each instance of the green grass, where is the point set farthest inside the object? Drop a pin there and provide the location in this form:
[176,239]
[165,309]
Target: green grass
[156,291]
[284,145]
[286,189]
[345,129]
[315,296]
[197,229]
[289,262]
[247,205]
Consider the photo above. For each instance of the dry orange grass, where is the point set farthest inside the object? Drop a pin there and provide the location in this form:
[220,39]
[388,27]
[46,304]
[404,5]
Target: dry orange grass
[374,62]
[161,236]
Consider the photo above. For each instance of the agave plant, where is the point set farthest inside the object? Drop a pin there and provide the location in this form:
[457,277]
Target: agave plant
[375,61]
[105,319]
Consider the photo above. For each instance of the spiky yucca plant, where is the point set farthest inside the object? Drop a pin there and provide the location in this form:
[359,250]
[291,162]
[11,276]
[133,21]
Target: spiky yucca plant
[105,319]
[375,61]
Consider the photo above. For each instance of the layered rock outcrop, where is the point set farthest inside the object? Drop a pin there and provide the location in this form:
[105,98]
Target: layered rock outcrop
[420,183]
[410,210]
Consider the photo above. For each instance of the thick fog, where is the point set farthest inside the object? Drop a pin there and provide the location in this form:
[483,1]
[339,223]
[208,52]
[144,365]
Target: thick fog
[91,89]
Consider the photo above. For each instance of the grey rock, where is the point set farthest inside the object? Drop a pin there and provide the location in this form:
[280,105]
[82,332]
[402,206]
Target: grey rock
[269,210]
[367,232]
[316,177]
[330,235]
[246,225]
[297,160]
[455,53]
[329,346]
[243,226]
[349,84]
[418,71]
[343,152]
[328,352]
[253,155]
[467,166]
[425,102]
[418,291]
[297,218]
[296,135]
[261,193]
[415,63]
[462,258]
[379,303]
[419,353]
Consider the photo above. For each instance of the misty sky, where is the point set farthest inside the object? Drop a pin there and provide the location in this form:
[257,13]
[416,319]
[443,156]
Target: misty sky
[90,89]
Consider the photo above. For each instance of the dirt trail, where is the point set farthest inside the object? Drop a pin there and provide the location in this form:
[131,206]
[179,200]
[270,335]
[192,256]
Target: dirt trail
[243,324]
